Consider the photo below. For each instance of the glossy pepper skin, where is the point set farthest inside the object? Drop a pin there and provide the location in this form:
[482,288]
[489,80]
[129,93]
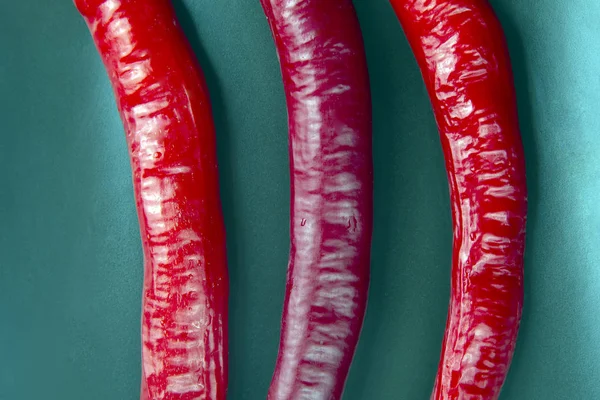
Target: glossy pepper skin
[460,48]
[325,78]
[164,105]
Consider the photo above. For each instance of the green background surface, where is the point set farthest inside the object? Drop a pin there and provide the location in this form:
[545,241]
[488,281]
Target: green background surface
[70,255]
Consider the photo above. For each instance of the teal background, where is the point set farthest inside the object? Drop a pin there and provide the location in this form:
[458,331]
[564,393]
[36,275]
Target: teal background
[70,256]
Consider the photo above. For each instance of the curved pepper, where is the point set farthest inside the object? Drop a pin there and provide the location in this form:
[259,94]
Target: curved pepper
[461,51]
[326,84]
[164,105]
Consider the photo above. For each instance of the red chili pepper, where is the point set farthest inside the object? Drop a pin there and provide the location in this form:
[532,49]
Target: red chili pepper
[460,48]
[164,105]
[326,83]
